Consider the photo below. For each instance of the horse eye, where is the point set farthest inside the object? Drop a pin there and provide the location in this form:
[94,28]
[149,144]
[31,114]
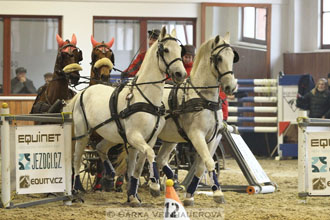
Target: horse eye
[219,58]
[166,50]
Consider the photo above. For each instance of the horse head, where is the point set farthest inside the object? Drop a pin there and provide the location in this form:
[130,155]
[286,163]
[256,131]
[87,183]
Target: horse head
[223,56]
[67,61]
[169,55]
[103,60]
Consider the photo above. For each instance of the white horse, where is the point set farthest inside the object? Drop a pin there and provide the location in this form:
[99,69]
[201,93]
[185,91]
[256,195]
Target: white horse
[137,109]
[197,110]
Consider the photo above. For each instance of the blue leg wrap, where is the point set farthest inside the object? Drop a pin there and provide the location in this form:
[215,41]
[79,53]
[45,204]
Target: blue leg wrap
[214,179]
[193,185]
[168,172]
[154,175]
[133,186]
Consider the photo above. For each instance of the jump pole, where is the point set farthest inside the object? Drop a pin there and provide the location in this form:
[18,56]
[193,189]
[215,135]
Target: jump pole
[5,157]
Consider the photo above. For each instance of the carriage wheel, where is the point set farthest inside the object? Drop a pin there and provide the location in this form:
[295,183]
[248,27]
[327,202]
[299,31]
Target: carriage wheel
[89,169]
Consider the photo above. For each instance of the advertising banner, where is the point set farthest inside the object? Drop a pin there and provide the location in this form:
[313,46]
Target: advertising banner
[39,159]
[318,155]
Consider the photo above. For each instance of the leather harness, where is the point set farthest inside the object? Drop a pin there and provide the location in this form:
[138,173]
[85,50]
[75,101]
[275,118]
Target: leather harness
[191,105]
[128,111]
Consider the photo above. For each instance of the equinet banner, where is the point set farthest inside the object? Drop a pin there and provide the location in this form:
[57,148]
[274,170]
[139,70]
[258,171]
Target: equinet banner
[318,161]
[39,159]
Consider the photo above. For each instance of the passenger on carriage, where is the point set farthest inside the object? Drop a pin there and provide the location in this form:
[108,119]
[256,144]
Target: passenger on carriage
[188,57]
[21,84]
[136,64]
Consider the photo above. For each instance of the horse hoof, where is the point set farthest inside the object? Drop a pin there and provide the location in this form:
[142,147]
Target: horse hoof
[218,197]
[188,201]
[154,189]
[134,201]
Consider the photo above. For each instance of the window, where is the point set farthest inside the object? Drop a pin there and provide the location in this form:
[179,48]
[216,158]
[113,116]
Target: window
[184,29]
[254,22]
[31,44]
[131,34]
[125,45]
[325,22]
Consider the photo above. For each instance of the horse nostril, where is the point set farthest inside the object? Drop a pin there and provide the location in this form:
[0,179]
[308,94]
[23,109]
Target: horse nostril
[228,90]
[178,75]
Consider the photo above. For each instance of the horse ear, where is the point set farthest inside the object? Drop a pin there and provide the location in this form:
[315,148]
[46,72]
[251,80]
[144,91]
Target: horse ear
[110,43]
[227,37]
[94,42]
[217,39]
[59,40]
[173,33]
[73,39]
[162,33]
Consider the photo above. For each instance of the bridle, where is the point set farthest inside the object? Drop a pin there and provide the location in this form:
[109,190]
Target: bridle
[104,50]
[161,50]
[60,74]
[216,57]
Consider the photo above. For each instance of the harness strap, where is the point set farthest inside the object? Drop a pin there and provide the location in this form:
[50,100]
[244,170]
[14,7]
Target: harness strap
[83,109]
[192,105]
[174,113]
[114,112]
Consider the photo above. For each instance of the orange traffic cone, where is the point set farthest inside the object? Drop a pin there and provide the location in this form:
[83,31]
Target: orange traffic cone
[173,206]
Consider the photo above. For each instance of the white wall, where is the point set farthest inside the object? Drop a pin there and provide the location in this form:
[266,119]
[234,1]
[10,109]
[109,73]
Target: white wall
[294,22]
[78,16]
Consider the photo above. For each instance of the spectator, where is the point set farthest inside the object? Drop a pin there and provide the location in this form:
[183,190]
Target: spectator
[329,81]
[47,77]
[318,100]
[21,84]
[188,57]
[136,64]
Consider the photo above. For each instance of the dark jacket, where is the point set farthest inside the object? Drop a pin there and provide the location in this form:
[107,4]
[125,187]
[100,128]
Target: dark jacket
[26,87]
[318,104]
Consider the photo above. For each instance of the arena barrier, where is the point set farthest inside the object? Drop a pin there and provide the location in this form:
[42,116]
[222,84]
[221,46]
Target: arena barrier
[258,181]
[313,157]
[268,89]
[275,98]
[38,155]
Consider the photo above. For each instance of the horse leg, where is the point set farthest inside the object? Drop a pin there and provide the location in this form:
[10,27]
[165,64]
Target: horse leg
[132,156]
[198,141]
[205,159]
[108,178]
[163,157]
[199,170]
[218,196]
[146,151]
[79,150]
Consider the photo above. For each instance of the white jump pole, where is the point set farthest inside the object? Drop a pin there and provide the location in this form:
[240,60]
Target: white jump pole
[68,160]
[5,157]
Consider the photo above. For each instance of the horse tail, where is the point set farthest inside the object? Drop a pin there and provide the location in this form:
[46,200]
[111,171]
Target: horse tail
[121,163]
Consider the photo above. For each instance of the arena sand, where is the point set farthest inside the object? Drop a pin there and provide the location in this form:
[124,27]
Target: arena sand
[283,204]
